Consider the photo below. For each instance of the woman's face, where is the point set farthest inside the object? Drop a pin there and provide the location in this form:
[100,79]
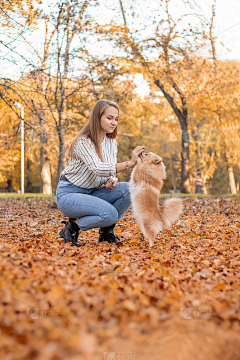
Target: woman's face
[109,119]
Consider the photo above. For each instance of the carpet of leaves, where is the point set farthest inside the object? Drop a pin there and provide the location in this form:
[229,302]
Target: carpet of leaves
[177,300]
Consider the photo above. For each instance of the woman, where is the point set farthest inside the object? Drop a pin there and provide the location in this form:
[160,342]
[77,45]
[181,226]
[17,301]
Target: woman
[88,192]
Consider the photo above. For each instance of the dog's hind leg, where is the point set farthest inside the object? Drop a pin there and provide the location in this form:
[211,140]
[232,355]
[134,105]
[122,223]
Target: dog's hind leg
[150,230]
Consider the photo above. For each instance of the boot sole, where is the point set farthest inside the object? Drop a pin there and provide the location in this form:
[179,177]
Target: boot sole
[72,243]
[100,240]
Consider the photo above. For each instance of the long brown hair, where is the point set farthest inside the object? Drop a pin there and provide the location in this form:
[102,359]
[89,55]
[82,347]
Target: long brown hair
[93,126]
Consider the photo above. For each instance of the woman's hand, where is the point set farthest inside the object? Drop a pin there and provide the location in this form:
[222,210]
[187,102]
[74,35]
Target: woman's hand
[110,184]
[136,152]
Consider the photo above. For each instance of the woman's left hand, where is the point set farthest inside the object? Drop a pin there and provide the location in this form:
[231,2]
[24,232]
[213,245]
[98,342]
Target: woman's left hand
[110,184]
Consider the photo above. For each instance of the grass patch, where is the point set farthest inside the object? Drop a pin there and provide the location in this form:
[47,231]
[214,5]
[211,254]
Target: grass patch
[26,195]
[52,197]
[198,195]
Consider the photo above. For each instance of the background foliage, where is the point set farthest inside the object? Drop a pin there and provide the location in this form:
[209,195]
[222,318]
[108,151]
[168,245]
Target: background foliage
[190,116]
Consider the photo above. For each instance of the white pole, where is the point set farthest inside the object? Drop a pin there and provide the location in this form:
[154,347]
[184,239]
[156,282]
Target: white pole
[22,149]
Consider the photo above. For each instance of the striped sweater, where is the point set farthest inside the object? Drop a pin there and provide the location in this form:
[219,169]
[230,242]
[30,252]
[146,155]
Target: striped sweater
[86,169]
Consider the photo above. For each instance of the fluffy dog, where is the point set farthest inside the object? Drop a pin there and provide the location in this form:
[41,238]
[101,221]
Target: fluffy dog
[146,182]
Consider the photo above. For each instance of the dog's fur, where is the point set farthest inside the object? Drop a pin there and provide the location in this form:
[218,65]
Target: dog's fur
[145,185]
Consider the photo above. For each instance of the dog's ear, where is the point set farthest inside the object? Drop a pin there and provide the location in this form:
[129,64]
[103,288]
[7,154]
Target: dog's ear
[156,161]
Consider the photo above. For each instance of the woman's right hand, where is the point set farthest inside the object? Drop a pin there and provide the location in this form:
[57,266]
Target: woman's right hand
[136,152]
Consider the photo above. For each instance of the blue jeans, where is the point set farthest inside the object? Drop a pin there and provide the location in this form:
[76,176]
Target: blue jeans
[93,208]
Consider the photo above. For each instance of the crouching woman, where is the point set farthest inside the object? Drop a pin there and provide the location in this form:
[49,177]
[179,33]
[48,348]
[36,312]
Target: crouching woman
[88,192]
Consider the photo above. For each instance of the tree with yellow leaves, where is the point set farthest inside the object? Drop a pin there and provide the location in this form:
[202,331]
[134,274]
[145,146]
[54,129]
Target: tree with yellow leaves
[175,69]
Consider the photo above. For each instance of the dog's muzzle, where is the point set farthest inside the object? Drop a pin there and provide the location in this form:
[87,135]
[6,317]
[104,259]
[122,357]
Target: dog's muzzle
[141,156]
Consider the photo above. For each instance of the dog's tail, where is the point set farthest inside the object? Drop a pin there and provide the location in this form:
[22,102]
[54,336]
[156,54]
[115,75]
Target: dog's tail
[171,210]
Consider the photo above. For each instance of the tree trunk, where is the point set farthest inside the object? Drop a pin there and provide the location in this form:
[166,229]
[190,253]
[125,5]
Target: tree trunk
[46,177]
[185,186]
[232,183]
[29,177]
[61,157]
[198,182]
[9,185]
[173,172]
[238,183]
[182,115]
[43,158]
[198,173]
[42,152]
[204,188]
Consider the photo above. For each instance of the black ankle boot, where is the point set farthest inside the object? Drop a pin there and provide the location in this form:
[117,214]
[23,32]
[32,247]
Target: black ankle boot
[70,232]
[107,234]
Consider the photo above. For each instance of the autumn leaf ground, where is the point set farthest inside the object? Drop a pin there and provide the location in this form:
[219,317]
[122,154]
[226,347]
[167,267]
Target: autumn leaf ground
[178,300]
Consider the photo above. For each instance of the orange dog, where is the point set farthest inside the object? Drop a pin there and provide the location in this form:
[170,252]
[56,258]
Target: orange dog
[146,183]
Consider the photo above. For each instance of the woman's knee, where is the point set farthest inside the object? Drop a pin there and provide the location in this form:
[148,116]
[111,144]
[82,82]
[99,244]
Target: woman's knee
[111,216]
[125,188]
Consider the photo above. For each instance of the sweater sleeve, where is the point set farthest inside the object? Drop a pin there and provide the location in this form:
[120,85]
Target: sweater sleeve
[116,150]
[85,150]
[114,177]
